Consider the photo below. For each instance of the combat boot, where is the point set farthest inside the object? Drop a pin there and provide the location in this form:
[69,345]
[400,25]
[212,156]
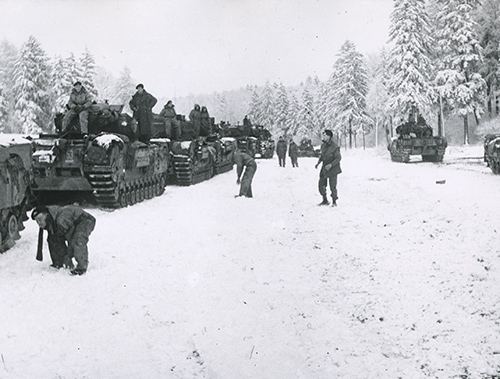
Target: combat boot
[324,202]
[334,202]
[78,271]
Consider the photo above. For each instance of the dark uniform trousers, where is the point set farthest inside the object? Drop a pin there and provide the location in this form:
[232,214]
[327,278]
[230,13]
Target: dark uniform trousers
[324,178]
[77,244]
[246,181]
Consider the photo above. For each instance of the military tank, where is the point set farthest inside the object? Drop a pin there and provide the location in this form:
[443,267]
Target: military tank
[108,162]
[492,152]
[15,183]
[417,139]
[254,140]
[306,148]
[198,153]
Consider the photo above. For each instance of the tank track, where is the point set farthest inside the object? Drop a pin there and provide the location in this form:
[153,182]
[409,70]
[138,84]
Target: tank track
[186,174]
[400,156]
[112,193]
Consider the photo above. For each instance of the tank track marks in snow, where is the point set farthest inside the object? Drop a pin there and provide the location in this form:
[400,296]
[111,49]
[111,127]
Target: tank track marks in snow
[187,173]
[110,193]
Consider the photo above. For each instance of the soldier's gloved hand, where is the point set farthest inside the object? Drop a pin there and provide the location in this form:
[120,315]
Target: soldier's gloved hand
[328,166]
[238,181]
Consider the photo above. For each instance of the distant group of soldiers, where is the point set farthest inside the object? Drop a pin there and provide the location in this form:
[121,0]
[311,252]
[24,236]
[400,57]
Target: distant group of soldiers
[293,152]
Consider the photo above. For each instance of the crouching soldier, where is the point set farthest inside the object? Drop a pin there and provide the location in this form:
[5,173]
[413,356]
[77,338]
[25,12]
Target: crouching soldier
[244,161]
[69,228]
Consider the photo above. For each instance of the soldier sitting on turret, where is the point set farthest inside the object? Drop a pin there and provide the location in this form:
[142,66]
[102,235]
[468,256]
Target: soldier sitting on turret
[79,103]
[205,121]
[172,125]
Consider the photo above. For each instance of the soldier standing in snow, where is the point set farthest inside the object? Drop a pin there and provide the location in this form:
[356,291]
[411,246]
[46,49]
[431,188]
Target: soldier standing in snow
[281,151]
[142,104]
[243,160]
[330,157]
[293,153]
[79,103]
[195,118]
[69,228]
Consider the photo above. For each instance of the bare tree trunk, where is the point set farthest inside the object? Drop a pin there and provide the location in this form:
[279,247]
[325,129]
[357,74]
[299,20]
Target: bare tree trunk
[376,133]
[350,134]
[364,144]
[466,129]
[440,118]
[390,125]
[387,132]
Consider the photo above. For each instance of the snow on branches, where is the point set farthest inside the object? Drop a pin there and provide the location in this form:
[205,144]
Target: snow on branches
[409,85]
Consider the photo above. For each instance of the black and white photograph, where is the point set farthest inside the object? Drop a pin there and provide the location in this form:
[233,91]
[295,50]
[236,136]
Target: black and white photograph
[254,189]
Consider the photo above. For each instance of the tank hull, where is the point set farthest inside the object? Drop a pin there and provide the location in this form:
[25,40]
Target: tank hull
[15,195]
[432,149]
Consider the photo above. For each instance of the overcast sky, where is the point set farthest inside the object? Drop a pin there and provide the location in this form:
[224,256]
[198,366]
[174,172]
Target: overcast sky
[200,46]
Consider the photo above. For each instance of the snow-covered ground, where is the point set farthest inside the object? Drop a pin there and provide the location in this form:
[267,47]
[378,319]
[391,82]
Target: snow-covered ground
[401,280]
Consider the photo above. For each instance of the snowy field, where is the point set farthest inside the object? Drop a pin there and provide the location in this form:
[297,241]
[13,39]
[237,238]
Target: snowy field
[401,280]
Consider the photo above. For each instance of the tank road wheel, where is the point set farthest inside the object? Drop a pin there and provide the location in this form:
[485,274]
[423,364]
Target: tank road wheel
[140,193]
[123,199]
[12,227]
[150,190]
[155,188]
[133,196]
[162,185]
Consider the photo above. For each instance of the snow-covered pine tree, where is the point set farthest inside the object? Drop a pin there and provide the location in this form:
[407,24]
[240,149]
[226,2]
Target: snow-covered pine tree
[291,122]
[73,69]
[61,85]
[459,81]
[488,25]
[124,89]
[409,86]
[8,57]
[32,88]
[377,96]
[348,87]
[87,65]
[4,113]
[306,120]
[221,106]
[268,108]
[281,109]
[255,108]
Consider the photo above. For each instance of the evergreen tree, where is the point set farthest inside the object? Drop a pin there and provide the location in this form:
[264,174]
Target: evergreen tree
[306,122]
[87,65]
[268,108]
[255,111]
[221,106]
[377,96]
[124,89]
[74,71]
[410,86]
[8,57]
[348,91]
[291,122]
[32,88]
[61,85]
[4,113]
[488,25]
[459,81]
[281,108]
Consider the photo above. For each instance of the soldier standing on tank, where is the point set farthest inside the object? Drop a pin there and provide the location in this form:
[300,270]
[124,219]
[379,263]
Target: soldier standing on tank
[79,103]
[293,153]
[281,151]
[142,104]
[205,121]
[171,124]
[330,157]
[195,118]
[244,161]
[69,228]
